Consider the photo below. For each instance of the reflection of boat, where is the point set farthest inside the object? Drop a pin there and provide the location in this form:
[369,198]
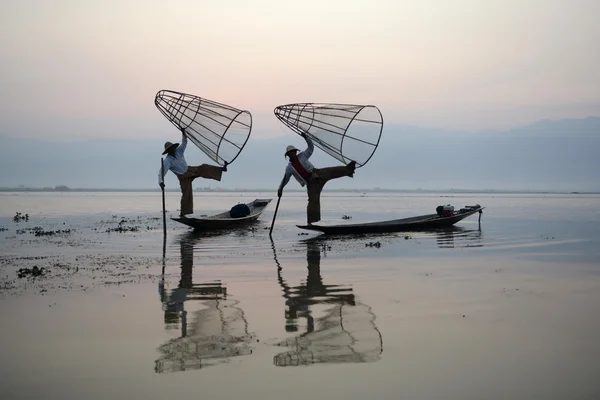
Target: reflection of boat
[422,222]
[208,336]
[346,330]
[224,219]
[458,237]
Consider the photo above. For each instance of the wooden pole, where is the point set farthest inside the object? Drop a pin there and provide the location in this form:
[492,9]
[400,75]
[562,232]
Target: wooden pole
[162,169]
[274,215]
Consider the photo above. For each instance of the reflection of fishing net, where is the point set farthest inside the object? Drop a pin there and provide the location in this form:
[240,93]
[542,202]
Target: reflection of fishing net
[345,334]
[344,131]
[216,334]
[219,130]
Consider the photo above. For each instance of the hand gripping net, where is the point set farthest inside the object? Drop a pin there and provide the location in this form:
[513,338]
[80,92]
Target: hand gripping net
[219,130]
[347,132]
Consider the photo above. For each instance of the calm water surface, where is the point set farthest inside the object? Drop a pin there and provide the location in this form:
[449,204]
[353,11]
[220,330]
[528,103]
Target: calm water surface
[502,309]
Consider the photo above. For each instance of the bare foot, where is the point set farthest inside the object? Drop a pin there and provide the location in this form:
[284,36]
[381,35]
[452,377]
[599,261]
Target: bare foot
[351,167]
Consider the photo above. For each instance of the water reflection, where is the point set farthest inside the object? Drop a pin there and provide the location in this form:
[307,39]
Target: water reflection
[343,331]
[209,335]
[457,237]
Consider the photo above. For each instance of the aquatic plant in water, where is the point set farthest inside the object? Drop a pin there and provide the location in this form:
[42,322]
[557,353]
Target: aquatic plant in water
[20,217]
[33,272]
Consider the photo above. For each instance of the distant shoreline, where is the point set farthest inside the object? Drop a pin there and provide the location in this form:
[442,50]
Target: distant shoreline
[254,190]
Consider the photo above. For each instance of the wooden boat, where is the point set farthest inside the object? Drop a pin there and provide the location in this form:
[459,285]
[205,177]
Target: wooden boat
[422,222]
[224,219]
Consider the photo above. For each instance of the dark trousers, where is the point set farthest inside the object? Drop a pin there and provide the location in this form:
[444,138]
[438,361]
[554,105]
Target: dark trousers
[185,181]
[318,179]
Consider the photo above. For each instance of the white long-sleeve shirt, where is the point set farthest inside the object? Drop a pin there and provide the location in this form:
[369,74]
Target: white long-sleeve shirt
[175,163]
[303,157]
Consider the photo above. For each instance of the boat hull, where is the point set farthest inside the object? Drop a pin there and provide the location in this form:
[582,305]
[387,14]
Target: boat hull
[223,220]
[422,222]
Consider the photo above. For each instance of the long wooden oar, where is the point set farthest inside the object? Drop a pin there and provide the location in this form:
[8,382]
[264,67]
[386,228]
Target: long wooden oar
[162,170]
[274,215]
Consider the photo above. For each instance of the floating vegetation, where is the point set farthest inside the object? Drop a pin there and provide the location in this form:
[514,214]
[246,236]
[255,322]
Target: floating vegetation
[373,244]
[123,229]
[42,232]
[39,231]
[346,217]
[2,229]
[303,234]
[130,220]
[20,217]
[406,237]
[33,272]
[25,230]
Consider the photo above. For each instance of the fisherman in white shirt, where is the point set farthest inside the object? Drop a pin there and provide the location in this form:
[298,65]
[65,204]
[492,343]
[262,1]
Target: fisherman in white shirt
[313,178]
[175,161]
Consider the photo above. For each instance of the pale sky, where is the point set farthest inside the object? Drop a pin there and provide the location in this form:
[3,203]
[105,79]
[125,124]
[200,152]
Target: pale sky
[76,68]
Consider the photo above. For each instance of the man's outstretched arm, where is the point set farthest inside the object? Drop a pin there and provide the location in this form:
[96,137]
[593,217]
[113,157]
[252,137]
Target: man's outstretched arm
[161,176]
[184,141]
[284,181]
[311,147]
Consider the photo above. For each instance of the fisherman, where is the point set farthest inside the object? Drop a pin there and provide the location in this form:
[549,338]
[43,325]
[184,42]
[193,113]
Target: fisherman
[314,178]
[175,161]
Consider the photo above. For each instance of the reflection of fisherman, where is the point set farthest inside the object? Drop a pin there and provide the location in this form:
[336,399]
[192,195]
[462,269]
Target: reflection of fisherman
[174,300]
[314,178]
[345,330]
[210,335]
[313,292]
[175,161]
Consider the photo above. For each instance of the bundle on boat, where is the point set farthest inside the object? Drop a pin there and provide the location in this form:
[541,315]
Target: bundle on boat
[220,131]
[347,132]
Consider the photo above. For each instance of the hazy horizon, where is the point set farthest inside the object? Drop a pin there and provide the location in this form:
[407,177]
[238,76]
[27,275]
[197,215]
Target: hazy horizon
[546,156]
[25,189]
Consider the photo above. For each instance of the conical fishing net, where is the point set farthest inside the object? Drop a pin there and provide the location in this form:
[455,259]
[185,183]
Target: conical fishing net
[219,130]
[346,132]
